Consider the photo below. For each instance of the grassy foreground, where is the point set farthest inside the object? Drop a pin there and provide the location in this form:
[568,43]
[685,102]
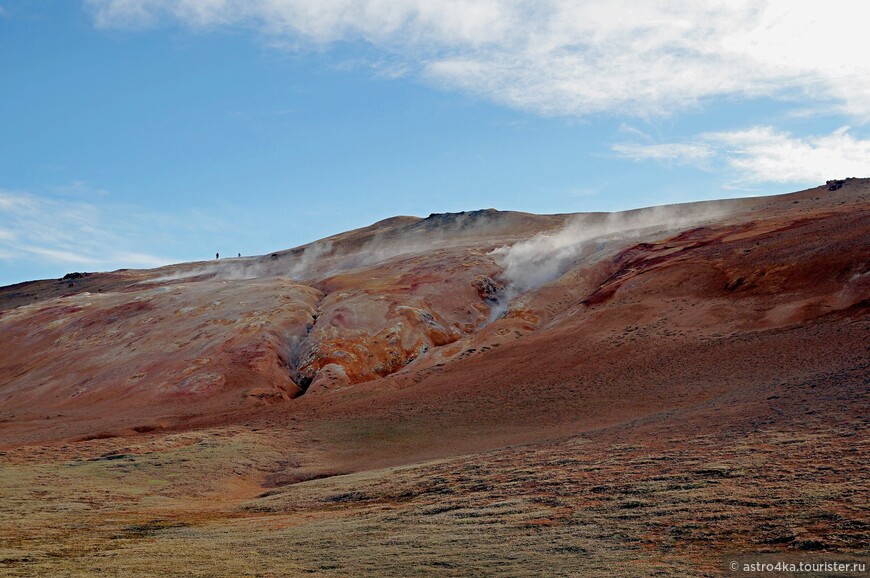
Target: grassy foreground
[219,503]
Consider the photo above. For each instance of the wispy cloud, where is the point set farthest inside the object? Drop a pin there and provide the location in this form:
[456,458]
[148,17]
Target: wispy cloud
[764,155]
[80,189]
[684,153]
[562,57]
[73,233]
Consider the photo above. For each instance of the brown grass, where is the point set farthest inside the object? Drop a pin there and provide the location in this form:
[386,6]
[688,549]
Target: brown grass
[672,507]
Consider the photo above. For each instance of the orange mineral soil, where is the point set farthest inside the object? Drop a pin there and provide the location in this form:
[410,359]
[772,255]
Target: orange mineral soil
[481,393]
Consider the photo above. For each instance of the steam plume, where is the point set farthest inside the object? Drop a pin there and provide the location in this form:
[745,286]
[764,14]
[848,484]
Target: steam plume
[530,264]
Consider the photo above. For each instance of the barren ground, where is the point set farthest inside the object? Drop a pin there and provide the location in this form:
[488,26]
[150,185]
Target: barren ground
[667,401]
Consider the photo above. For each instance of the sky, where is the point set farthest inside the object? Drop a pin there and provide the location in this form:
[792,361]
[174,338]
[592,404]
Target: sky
[136,133]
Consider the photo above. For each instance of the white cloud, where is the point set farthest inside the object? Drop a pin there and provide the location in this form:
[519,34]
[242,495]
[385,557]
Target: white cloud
[58,255]
[72,233]
[569,57]
[762,154]
[678,152]
[765,155]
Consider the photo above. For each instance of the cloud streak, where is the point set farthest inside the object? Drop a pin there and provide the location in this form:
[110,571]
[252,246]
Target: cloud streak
[563,57]
[69,233]
[764,155]
[682,153]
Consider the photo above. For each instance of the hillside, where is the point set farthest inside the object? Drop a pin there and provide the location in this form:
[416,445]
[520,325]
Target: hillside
[634,391]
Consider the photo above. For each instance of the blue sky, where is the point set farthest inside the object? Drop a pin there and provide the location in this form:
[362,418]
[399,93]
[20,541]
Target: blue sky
[142,132]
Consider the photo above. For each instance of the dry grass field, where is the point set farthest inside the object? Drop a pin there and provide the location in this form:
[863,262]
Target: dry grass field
[195,505]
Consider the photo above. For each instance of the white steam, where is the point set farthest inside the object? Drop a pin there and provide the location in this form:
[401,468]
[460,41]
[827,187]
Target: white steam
[530,264]
[307,263]
[225,270]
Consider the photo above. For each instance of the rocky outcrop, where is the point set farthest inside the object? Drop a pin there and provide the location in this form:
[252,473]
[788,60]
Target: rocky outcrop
[375,322]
